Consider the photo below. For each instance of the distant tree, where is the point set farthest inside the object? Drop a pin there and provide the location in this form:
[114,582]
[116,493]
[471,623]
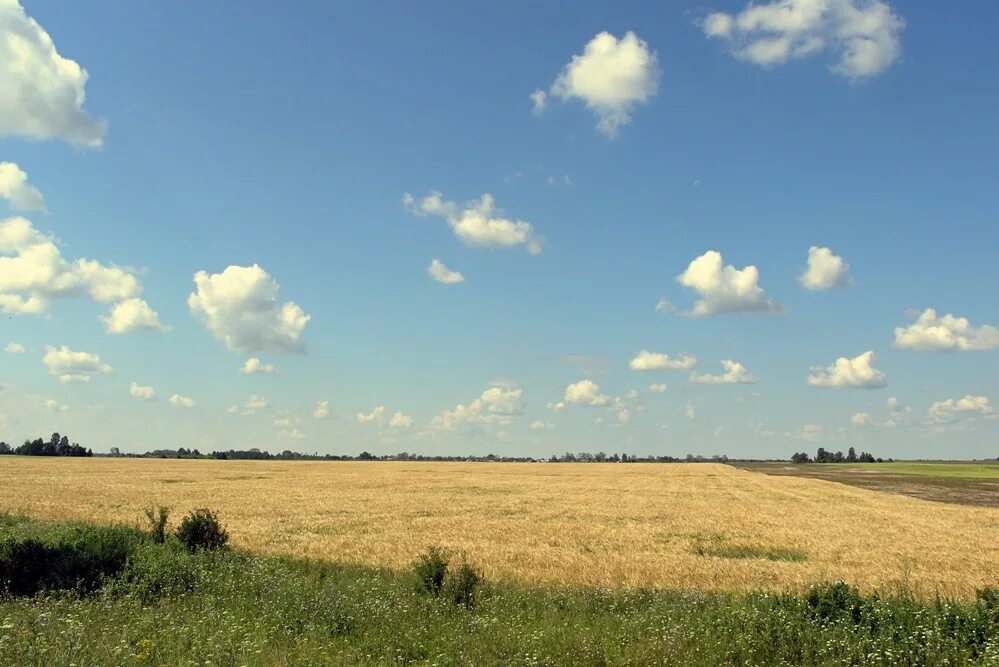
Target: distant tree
[366,456]
[115,451]
[5,449]
[800,457]
[851,455]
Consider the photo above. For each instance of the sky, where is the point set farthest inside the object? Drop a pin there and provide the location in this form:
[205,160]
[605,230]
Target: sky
[464,228]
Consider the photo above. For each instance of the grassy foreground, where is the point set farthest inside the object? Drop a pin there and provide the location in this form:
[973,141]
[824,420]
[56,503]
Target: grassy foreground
[135,601]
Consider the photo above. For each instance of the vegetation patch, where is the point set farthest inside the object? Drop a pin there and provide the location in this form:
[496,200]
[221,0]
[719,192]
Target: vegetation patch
[722,549]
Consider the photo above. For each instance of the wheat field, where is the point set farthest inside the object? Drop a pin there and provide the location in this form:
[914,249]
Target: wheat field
[702,526]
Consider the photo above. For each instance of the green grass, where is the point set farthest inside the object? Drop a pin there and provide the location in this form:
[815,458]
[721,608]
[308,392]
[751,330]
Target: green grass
[172,607]
[750,551]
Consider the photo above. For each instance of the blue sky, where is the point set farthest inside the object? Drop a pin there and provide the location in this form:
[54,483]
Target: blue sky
[242,135]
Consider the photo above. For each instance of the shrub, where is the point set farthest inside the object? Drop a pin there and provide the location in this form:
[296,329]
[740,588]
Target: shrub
[156,571]
[462,586]
[201,529]
[158,523]
[988,599]
[834,602]
[82,560]
[430,569]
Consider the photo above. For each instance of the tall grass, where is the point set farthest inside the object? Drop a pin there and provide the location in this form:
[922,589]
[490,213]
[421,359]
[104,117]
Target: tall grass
[172,606]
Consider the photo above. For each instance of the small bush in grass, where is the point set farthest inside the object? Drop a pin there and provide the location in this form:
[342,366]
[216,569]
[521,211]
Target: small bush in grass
[201,529]
[988,599]
[430,569]
[462,586]
[834,602]
[158,523]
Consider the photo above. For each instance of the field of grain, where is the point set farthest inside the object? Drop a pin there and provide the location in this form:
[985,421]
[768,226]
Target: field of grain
[684,526]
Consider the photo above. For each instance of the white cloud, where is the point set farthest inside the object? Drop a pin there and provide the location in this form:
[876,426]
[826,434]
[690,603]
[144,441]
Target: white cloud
[55,406]
[943,412]
[254,366]
[658,388]
[179,401]
[898,412]
[240,308]
[15,348]
[70,366]
[656,361]
[322,410]
[539,101]
[293,433]
[932,333]
[862,419]
[496,406]
[612,76]
[477,223]
[863,34]
[373,416]
[439,272]
[14,187]
[557,407]
[586,392]
[735,373]
[41,92]
[252,405]
[541,425]
[132,315]
[725,289]
[665,306]
[624,417]
[139,391]
[690,410]
[846,373]
[32,270]
[400,420]
[825,270]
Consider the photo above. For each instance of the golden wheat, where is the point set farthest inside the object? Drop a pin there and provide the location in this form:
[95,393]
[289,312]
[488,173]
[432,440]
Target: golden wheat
[603,524]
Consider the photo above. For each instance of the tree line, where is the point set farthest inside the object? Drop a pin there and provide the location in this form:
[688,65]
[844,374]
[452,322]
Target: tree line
[824,456]
[57,445]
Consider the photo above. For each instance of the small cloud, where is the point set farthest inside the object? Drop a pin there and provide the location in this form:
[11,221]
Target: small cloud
[539,101]
[372,417]
[735,373]
[442,274]
[944,334]
[179,401]
[657,361]
[15,348]
[658,388]
[846,373]
[400,420]
[825,270]
[132,315]
[586,393]
[139,391]
[254,366]
[322,410]
[725,289]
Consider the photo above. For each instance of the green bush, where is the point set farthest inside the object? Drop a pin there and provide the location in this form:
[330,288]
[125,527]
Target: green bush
[201,529]
[834,601]
[158,523]
[430,569]
[462,586]
[80,560]
[159,571]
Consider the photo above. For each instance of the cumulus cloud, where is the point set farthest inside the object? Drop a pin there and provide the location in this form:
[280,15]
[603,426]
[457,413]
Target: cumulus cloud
[658,388]
[557,406]
[825,270]
[690,410]
[41,92]
[139,391]
[179,401]
[33,270]
[539,101]
[478,223]
[240,307]
[863,35]
[55,406]
[735,373]
[373,416]
[587,393]
[846,373]
[623,416]
[70,366]
[15,348]
[252,405]
[898,412]
[293,433]
[656,361]
[944,412]
[932,333]
[539,425]
[439,272]
[14,187]
[725,289]
[611,77]
[254,366]
[322,410]
[400,420]
[862,419]
[496,406]
[132,315]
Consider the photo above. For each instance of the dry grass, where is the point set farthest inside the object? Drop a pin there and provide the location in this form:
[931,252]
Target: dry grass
[607,524]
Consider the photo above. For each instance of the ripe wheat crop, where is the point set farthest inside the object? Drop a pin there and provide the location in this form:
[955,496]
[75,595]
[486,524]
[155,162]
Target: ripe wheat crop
[681,526]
